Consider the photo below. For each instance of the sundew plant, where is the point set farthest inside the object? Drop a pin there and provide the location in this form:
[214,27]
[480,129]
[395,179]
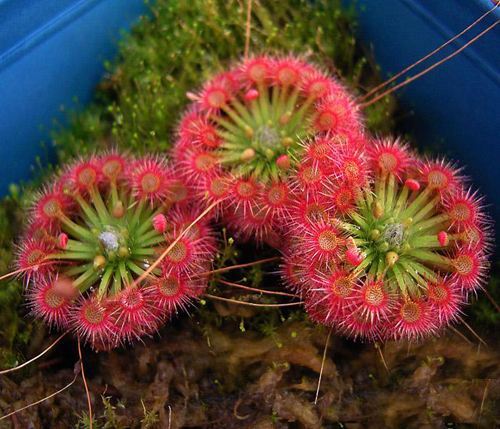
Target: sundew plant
[225,138]
[93,234]
[137,107]
[396,248]
[243,139]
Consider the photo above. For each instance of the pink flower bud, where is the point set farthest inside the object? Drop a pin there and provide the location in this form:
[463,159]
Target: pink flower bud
[283,162]
[251,94]
[160,223]
[412,184]
[443,238]
[350,244]
[64,287]
[354,256]
[62,240]
[192,96]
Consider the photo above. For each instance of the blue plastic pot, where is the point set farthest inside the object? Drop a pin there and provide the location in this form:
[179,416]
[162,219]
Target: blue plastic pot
[455,106]
[51,53]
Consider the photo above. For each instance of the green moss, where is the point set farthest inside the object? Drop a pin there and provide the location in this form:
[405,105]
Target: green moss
[484,310]
[183,43]
[14,328]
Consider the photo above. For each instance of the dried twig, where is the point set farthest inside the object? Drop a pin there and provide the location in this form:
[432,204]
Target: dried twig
[248,27]
[43,399]
[235,267]
[322,366]
[430,54]
[89,401]
[428,69]
[254,289]
[5,371]
[253,304]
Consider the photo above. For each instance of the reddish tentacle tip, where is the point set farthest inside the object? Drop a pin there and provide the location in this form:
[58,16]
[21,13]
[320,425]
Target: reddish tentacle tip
[118,210]
[412,184]
[64,287]
[62,240]
[283,162]
[443,238]
[251,94]
[354,256]
[191,96]
[160,223]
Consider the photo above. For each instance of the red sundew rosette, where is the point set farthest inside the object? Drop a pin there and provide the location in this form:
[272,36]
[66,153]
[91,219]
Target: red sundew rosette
[412,237]
[95,231]
[243,138]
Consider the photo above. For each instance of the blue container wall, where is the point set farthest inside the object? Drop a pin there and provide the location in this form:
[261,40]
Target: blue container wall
[51,52]
[456,106]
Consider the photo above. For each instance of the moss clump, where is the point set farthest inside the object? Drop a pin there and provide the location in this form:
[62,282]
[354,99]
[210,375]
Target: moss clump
[14,329]
[183,43]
